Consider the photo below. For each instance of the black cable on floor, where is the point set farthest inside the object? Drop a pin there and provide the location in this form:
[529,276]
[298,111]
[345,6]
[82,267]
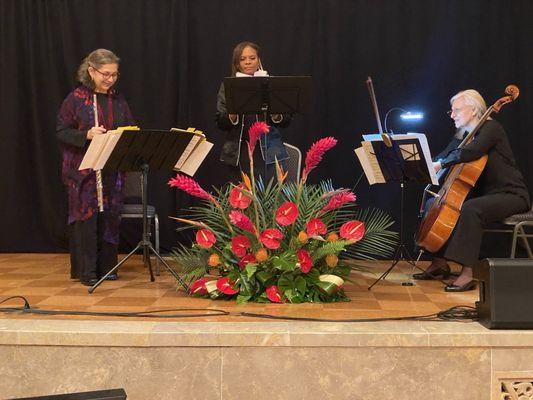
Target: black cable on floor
[198,312]
[456,314]
[453,314]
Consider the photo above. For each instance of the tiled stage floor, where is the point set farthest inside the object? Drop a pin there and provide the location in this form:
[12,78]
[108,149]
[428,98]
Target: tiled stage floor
[44,280]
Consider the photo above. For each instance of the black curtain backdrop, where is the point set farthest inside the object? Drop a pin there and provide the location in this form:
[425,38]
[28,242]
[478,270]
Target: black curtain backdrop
[175,53]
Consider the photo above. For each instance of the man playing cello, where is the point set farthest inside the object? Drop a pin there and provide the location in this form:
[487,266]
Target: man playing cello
[499,192]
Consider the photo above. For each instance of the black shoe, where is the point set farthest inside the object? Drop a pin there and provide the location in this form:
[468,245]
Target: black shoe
[89,282]
[112,277]
[439,273]
[463,288]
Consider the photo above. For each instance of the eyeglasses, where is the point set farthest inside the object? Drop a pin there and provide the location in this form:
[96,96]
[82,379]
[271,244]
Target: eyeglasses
[455,111]
[107,75]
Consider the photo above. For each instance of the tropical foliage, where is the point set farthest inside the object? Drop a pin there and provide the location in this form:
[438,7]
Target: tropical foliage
[278,241]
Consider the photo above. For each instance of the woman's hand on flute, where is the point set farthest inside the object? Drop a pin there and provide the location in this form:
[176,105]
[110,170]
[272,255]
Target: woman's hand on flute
[95,130]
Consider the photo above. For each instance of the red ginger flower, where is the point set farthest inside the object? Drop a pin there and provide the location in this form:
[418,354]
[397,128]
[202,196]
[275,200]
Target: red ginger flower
[205,238]
[198,287]
[273,294]
[225,286]
[254,133]
[316,152]
[190,186]
[305,260]
[353,230]
[287,213]
[238,199]
[239,245]
[241,221]
[271,238]
[248,258]
[337,200]
[316,227]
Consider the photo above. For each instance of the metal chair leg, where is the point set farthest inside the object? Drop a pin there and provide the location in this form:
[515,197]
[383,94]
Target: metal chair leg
[513,243]
[156,223]
[524,236]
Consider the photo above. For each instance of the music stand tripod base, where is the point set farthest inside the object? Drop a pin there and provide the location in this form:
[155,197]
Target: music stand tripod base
[145,243]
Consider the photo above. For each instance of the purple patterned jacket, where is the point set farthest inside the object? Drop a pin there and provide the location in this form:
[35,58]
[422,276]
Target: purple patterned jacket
[74,119]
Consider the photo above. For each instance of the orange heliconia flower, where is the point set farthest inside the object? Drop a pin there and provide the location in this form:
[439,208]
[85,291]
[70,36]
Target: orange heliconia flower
[332,260]
[213,260]
[332,237]
[261,255]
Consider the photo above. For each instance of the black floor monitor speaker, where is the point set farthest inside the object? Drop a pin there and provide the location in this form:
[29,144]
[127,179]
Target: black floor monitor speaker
[505,293]
[112,394]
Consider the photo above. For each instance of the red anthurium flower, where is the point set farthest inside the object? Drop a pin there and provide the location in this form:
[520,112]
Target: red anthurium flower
[305,260]
[353,230]
[198,287]
[248,258]
[316,227]
[205,238]
[240,220]
[273,294]
[238,199]
[239,245]
[225,286]
[287,213]
[271,238]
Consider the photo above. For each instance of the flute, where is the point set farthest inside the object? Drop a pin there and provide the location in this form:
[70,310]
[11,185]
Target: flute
[99,185]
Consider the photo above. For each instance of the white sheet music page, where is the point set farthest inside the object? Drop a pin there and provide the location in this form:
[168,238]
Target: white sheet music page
[370,164]
[93,152]
[409,152]
[197,136]
[109,145]
[198,155]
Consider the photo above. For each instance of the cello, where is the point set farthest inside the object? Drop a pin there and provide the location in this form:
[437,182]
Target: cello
[438,223]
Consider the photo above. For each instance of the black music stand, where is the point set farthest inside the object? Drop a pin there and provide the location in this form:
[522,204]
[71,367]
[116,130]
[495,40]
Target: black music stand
[405,161]
[140,150]
[268,94]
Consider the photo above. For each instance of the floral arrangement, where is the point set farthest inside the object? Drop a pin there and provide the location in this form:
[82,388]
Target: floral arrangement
[278,241]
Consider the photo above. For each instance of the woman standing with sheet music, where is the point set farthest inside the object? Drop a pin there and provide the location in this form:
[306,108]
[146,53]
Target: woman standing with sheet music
[247,63]
[91,109]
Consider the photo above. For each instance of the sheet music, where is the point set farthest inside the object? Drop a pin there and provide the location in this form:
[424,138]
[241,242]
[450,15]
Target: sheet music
[191,165]
[93,152]
[109,145]
[197,137]
[370,164]
[101,147]
[409,152]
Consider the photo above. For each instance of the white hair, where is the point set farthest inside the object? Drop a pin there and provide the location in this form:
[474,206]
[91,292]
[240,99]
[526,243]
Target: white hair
[473,99]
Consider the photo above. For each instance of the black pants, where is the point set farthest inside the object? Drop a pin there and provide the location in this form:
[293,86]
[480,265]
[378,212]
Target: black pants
[90,255]
[464,244]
